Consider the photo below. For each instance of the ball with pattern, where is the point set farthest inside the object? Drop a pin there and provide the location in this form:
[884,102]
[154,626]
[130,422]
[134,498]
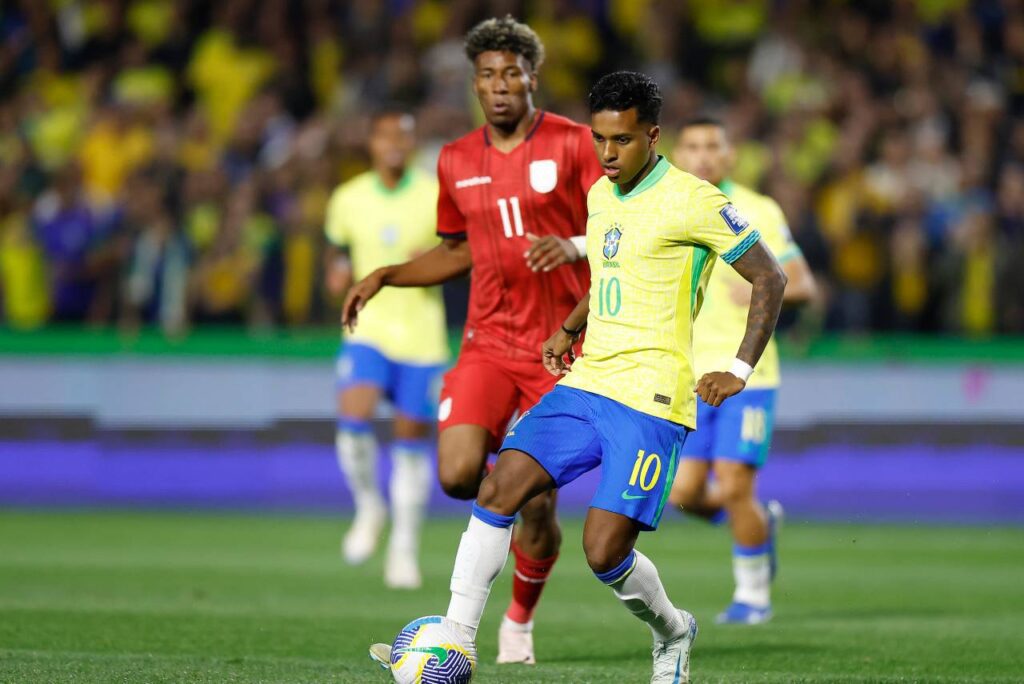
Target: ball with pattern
[432,650]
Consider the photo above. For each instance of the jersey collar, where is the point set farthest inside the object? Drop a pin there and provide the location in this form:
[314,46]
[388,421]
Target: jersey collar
[529,134]
[403,183]
[727,187]
[659,170]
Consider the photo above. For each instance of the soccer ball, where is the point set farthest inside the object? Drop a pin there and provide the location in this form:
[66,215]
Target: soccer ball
[432,650]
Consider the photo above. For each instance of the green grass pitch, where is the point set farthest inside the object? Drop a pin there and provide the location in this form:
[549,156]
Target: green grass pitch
[161,597]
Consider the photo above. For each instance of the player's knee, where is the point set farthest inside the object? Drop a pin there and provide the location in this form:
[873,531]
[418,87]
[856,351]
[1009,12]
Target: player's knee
[459,480]
[735,486]
[604,554]
[496,498]
[686,494]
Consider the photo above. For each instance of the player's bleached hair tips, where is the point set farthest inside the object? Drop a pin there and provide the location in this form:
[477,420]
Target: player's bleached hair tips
[505,34]
[624,90]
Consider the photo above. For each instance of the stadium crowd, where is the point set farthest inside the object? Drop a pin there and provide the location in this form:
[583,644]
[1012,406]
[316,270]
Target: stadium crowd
[168,162]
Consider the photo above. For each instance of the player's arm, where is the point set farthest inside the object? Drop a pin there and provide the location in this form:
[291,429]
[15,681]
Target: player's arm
[760,268]
[448,260]
[800,285]
[337,270]
[560,343]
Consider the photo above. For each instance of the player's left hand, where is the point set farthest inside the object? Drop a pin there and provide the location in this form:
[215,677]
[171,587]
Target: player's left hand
[554,351]
[714,388]
[549,252]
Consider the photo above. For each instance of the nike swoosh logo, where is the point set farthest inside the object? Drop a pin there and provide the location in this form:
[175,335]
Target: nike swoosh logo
[630,497]
[440,653]
[590,216]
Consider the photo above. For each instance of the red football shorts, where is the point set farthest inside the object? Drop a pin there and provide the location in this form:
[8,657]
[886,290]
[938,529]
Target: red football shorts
[486,389]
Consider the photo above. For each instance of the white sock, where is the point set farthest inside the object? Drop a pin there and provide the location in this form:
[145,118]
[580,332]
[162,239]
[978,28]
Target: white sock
[752,573]
[638,586]
[410,491]
[482,554]
[357,458]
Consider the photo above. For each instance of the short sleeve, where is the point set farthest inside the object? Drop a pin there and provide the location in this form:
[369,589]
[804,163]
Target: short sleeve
[714,222]
[429,222]
[336,224]
[776,235]
[586,161]
[451,224]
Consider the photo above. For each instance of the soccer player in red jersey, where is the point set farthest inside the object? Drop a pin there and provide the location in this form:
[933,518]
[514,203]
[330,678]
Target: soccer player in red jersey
[524,174]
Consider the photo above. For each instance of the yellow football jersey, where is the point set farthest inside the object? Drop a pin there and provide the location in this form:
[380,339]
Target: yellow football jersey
[382,227]
[650,254]
[723,321]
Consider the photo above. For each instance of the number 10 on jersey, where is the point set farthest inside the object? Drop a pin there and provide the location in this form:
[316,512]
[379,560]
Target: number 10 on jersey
[609,296]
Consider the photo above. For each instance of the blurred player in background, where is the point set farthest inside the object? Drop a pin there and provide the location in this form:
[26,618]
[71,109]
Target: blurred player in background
[733,439]
[386,216]
[628,402]
[524,174]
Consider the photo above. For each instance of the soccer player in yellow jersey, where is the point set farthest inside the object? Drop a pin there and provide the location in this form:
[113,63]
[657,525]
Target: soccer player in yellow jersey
[387,216]
[653,235]
[735,436]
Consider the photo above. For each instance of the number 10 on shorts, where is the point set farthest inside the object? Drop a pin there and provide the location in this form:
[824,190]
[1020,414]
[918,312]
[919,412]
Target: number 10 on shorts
[646,471]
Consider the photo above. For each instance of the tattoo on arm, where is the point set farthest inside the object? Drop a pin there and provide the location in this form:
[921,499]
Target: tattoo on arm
[761,270]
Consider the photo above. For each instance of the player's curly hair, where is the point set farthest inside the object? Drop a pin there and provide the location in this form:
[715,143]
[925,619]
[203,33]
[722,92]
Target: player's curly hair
[624,90]
[505,34]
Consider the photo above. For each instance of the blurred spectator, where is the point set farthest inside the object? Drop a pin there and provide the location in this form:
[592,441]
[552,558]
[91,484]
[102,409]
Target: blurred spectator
[166,162]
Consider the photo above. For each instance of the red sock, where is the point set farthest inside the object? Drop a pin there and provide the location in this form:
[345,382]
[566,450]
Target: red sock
[527,583]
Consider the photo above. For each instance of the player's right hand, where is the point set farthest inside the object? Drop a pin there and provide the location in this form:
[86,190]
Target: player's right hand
[554,351]
[549,252]
[361,292]
[716,387]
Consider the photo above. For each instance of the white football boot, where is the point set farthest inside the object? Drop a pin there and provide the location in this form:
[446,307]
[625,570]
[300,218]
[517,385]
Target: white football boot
[515,643]
[672,658]
[402,571]
[361,539]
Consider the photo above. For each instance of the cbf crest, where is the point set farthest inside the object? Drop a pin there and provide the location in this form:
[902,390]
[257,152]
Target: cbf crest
[611,241]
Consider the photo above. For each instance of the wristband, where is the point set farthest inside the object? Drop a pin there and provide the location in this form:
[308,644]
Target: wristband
[573,333]
[580,243]
[741,369]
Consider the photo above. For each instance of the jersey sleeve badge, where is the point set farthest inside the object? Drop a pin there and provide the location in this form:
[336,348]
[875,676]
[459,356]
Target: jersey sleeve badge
[734,219]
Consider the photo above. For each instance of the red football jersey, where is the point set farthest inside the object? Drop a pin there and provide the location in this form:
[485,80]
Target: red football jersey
[493,199]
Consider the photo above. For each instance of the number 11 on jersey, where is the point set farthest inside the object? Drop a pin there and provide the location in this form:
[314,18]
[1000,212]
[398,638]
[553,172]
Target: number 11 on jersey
[517,218]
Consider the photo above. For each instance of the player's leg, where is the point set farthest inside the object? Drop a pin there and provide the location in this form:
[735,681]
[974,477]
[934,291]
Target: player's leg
[414,394]
[640,455]
[693,491]
[476,402]
[536,540]
[608,542]
[550,446]
[742,447]
[362,372]
[484,547]
[751,560]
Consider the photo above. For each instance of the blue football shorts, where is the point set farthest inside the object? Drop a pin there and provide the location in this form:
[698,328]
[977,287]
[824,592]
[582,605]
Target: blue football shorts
[412,389]
[570,432]
[738,430]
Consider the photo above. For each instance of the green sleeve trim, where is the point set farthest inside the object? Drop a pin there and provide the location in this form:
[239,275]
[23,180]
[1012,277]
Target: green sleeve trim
[739,250]
[791,252]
